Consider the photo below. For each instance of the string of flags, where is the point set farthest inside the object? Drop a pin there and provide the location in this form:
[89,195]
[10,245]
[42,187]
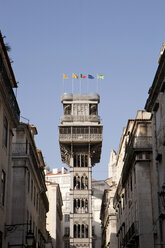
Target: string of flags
[99,76]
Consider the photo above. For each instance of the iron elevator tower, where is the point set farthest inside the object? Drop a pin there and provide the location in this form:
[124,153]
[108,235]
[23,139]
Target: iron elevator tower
[80,138]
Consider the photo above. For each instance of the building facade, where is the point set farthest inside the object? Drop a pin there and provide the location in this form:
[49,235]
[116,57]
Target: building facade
[54,216]
[133,197]
[28,194]
[80,137]
[62,178]
[98,188]
[156,105]
[108,217]
[9,119]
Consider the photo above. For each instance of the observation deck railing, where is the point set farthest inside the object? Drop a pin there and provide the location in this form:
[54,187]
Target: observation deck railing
[80,137]
[80,118]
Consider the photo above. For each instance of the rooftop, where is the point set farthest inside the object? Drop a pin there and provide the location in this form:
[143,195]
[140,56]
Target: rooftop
[78,97]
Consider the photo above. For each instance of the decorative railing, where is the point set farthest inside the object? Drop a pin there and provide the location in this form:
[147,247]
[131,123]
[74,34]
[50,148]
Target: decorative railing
[20,149]
[80,137]
[80,118]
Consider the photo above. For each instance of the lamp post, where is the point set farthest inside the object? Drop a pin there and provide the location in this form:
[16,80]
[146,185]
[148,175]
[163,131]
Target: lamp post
[30,239]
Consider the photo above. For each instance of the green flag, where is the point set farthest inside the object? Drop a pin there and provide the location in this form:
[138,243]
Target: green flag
[100,76]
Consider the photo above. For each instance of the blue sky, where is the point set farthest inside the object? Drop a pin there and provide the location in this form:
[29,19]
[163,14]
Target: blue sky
[119,39]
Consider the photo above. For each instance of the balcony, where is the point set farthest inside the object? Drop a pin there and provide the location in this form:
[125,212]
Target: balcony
[20,149]
[131,237]
[80,118]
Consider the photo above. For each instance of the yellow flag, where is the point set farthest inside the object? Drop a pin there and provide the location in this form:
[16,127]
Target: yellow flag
[75,76]
[65,77]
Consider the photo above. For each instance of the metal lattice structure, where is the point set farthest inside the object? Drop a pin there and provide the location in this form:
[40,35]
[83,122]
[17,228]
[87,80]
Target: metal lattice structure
[80,138]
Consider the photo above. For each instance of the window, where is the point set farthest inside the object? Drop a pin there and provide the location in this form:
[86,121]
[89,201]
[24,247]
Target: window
[31,189]
[3,181]
[67,231]
[67,109]
[34,196]
[37,202]
[66,244]
[28,175]
[0,239]
[67,217]
[27,216]
[131,181]
[5,131]
[93,230]
[93,109]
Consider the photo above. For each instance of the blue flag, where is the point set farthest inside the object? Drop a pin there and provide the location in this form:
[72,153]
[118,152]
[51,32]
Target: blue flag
[90,76]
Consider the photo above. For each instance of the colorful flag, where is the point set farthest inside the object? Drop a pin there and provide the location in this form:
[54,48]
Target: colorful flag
[100,76]
[75,76]
[82,76]
[65,77]
[90,76]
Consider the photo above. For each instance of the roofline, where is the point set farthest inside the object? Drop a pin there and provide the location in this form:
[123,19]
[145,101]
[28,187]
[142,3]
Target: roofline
[156,84]
[8,60]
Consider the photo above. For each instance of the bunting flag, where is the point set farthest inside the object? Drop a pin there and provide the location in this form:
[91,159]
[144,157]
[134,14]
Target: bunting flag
[100,76]
[75,76]
[82,76]
[90,76]
[65,77]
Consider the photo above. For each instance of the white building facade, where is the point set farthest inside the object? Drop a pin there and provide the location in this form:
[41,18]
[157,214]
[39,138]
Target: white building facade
[54,216]
[63,179]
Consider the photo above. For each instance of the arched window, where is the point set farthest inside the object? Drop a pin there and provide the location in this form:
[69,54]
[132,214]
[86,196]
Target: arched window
[78,230]
[83,231]
[74,182]
[75,231]
[82,182]
[75,161]
[78,160]
[86,205]
[86,160]
[74,205]
[86,231]
[86,182]
[78,182]
[82,161]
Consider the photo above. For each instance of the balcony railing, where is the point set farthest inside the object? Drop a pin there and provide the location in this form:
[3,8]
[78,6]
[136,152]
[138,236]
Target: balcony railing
[80,118]
[142,142]
[80,137]
[20,149]
[131,236]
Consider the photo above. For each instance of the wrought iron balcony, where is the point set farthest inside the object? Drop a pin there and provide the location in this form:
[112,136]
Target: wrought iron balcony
[80,118]
[130,239]
[80,133]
